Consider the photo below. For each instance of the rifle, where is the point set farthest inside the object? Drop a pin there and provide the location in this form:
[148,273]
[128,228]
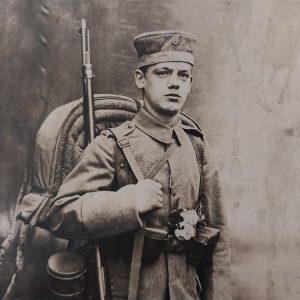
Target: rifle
[89,121]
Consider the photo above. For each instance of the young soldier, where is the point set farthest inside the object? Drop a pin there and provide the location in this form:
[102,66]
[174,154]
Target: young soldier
[101,198]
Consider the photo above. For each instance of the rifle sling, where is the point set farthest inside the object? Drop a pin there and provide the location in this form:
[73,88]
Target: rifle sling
[137,251]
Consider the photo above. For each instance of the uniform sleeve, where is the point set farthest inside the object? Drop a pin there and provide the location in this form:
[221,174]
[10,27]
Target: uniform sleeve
[85,207]
[217,283]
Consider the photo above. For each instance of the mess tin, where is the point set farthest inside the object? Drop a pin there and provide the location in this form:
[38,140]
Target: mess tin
[67,272]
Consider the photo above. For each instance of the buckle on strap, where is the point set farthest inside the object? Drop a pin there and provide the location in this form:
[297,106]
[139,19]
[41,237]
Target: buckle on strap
[122,143]
[156,233]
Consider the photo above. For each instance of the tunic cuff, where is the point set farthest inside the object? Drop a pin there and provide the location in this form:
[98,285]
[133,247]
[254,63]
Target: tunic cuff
[113,214]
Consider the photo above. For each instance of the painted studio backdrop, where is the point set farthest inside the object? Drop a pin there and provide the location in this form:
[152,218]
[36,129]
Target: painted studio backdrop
[245,95]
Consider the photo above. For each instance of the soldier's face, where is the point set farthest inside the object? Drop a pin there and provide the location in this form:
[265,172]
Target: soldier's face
[166,86]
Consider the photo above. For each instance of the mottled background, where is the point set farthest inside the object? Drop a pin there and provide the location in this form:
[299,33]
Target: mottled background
[245,96]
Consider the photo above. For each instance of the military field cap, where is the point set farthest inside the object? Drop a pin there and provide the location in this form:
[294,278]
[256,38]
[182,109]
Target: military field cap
[162,46]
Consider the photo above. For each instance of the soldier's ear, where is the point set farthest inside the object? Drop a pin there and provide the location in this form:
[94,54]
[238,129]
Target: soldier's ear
[139,78]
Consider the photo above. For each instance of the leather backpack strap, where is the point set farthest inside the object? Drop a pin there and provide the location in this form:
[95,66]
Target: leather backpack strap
[198,145]
[123,143]
[139,238]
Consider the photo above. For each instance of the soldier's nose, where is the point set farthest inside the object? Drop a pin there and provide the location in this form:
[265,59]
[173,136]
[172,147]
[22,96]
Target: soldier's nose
[173,83]
[174,86]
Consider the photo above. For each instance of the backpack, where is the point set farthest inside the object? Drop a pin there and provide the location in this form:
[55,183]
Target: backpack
[59,143]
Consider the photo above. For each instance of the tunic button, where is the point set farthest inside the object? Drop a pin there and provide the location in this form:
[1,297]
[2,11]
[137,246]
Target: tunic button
[130,125]
[175,42]
[122,166]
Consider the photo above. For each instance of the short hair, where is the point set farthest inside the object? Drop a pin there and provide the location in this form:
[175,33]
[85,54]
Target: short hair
[144,69]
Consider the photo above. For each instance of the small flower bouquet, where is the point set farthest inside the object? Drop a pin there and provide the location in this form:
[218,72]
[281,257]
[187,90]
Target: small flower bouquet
[184,224]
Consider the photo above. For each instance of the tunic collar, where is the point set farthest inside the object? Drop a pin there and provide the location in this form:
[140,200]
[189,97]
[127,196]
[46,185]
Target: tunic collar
[156,129]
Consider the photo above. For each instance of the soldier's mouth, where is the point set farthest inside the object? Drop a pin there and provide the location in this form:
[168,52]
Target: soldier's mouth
[173,96]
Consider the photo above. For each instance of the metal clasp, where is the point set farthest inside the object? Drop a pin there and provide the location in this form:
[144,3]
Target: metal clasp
[122,143]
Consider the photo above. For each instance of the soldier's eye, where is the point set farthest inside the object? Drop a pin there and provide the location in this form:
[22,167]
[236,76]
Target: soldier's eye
[184,76]
[162,73]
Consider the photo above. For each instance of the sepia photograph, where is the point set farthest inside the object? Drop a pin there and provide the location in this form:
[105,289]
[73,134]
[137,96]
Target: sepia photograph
[150,149]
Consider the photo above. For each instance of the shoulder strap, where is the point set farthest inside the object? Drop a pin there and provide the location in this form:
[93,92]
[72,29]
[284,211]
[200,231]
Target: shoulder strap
[198,145]
[123,143]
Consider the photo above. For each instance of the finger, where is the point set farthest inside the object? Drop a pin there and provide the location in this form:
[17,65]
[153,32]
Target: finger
[158,204]
[155,190]
[156,184]
[158,198]
[159,192]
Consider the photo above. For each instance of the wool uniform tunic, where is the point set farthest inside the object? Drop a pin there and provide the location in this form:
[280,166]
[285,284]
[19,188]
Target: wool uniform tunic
[93,204]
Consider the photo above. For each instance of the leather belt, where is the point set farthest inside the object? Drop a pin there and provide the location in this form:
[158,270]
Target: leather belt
[168,242]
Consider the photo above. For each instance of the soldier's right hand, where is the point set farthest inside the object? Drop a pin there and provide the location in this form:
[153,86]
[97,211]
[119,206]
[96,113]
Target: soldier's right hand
[148,195]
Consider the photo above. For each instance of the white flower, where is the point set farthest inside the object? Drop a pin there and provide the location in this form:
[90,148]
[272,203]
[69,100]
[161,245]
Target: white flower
[186,229]
[190,216]
[185,232]
[190,231]
[180,234]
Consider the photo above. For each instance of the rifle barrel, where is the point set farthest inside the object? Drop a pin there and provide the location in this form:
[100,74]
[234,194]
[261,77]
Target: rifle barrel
[87,76]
